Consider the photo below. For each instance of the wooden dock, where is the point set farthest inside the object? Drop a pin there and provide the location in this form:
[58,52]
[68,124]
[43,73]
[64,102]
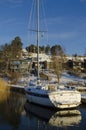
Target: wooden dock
[81,89]
[17,88]
[83,98]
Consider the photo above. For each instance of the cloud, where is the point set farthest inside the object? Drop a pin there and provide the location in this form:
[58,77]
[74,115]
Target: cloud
[82,0]
[67,23]
[8,21]
[16,3]
[13,3]
[69,31]
[63,35]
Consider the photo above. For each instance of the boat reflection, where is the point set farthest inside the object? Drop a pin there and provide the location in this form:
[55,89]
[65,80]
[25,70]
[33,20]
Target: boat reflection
[52,117]
[66,118]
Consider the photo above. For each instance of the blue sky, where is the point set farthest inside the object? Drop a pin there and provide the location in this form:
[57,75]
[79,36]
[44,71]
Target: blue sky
[65,19]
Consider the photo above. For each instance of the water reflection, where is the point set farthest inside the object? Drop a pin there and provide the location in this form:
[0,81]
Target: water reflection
[13,116]
[66,118]
[11,108]
[51,117]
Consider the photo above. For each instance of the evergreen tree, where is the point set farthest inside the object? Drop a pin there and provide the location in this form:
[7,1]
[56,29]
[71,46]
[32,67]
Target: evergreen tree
[57,50]
[16,48]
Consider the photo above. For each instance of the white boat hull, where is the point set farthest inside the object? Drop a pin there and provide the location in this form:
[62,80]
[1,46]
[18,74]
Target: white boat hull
[58,99]
[65,99]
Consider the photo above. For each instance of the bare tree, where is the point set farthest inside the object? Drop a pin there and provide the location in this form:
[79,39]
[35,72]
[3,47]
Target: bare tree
[58,67]
[58,59]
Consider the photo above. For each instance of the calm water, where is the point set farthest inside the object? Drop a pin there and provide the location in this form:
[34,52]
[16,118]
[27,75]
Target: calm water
[17,114]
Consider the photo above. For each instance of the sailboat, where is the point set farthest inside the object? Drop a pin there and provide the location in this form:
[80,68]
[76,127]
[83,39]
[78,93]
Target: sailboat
[46,93]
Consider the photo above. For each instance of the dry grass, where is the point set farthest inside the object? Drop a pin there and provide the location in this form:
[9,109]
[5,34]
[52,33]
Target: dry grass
[4,93]
[4,85]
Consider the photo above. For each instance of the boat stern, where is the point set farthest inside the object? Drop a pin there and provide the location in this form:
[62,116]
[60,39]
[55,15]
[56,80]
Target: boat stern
[65,99]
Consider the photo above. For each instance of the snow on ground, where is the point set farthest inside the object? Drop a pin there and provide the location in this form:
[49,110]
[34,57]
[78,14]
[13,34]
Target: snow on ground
[67,78]
[71,78]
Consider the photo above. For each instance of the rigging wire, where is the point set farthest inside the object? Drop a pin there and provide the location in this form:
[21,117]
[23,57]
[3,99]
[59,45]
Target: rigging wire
[43,3]
[32,26]
[32,16]
[44,15]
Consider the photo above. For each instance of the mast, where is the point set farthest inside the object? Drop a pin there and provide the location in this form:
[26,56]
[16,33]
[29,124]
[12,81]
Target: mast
[38,38]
